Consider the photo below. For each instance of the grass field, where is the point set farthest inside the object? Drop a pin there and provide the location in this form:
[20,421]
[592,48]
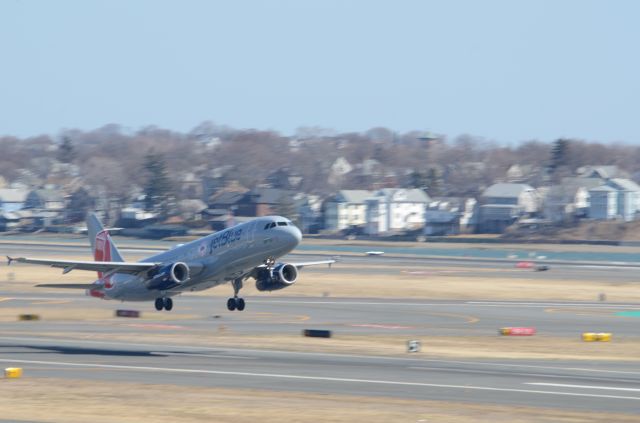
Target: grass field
[75,401]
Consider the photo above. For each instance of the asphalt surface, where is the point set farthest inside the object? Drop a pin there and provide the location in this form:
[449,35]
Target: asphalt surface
[43,350]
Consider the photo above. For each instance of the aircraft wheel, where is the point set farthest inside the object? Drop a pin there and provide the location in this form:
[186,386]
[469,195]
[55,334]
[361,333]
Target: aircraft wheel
[168,304]
[240,304]
[231,304]
[159,304]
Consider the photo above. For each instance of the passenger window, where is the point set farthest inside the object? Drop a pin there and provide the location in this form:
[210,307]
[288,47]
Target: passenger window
[282,223]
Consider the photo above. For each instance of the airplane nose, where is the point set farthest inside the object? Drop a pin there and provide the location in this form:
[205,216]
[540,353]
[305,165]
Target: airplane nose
[297,234]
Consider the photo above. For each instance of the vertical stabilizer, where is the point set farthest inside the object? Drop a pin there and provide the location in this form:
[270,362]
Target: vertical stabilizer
[101,243]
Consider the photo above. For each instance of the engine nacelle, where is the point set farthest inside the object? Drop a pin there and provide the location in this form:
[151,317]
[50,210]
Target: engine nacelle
[169,276]
[281,276]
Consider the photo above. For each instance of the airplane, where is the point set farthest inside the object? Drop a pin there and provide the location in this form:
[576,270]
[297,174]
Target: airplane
[235,254]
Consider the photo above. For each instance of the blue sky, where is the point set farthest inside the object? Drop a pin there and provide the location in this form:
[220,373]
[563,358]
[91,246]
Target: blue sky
[506,70]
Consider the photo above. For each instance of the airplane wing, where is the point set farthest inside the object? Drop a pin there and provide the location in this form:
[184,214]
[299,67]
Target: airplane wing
[313,263]
[96,266]
[305,264]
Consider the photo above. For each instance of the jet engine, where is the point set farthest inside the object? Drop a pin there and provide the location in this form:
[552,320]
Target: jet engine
[281,276]
[169,276]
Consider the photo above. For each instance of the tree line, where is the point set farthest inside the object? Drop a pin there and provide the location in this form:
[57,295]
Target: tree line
[121,163]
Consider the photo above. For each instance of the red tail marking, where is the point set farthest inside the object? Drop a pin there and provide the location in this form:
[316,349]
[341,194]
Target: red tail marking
[103,253]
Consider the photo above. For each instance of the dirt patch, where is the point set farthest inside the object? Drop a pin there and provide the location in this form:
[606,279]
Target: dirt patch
[72,401]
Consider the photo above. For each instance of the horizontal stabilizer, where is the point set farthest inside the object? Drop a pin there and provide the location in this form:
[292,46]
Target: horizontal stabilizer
[68,285]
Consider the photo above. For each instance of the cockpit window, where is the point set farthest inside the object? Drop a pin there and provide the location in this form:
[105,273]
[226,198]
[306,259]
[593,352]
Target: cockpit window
[272,225]
[282,223]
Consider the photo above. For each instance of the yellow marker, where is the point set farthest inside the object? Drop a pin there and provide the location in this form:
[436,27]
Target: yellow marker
[12,372]
[589,337]
[604,337]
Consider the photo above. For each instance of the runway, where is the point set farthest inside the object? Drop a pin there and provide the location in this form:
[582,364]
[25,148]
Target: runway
[597,386]
[170,348]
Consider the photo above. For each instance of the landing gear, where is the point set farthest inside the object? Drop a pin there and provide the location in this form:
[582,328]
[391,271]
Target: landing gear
[164,303]
[168,304]
[236,303]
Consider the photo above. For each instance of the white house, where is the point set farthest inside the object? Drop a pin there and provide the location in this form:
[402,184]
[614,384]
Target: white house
[603,202]
[346,209]
[628,197]
[391,209]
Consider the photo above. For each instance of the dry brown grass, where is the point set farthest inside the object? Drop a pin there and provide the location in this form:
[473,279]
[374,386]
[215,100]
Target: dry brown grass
[76,401]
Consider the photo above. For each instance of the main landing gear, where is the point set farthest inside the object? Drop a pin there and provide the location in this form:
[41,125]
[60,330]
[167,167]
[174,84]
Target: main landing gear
[164,303]
[236,303]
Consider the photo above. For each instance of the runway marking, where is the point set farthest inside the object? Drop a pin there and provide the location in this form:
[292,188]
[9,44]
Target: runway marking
[605,388]
[537,375]
[5,299]
[380,326]
[51,302]
[319,378]
[458,304]
[592,312]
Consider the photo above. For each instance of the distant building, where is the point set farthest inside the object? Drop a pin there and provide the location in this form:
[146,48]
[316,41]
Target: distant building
[346,209]
[12,199]
[391,209]
[45,199]
[503,204]
[628,197]
[569,199]
[603,203]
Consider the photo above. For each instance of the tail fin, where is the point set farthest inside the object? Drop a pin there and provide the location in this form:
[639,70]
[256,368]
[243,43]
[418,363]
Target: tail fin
[101,244]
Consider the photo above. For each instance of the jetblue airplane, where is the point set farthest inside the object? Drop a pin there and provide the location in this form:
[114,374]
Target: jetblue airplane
[248,250]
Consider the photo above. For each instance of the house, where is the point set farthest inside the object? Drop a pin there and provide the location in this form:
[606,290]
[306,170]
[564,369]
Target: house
[346,209]
[266,202]
[10,220]
[569,199]
[391,209]
[601,172]
[519,173]
[503,204]
[628,197]
[442,216]
[225,200]
[45,199]
[12,199]
[309,210]
[603,203]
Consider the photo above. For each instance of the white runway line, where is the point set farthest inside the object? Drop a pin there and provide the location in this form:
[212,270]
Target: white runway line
[317,378]
[416,361]
[604,388]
